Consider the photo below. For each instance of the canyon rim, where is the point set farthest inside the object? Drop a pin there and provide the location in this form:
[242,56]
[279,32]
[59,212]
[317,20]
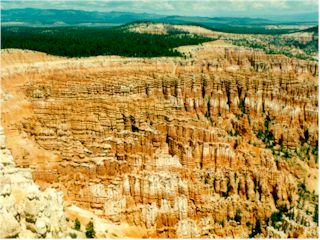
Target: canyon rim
[214,139]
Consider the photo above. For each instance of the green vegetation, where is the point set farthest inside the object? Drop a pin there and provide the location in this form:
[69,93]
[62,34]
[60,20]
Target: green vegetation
[303,192]
[90,232]
[238,29]
[73,235]
[85,41]
[205,181]
[315,152]
[280,149]
[256,230]
[266,135]
[307,150]
[277,216]
[237,218]
[221,223]
[276,44]
[316,214]
[306,196]
[93,41]
[207,114]
[77,224]
[233,133]
[242,106]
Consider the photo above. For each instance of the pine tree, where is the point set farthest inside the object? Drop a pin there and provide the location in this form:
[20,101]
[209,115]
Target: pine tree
[90,232]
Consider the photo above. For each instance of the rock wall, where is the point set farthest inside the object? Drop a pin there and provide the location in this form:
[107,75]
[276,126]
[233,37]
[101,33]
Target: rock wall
[174,145]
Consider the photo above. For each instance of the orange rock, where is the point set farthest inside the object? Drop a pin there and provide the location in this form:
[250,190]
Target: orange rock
[166,143]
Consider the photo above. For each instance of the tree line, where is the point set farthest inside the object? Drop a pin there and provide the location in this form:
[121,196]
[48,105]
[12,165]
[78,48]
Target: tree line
[86,41]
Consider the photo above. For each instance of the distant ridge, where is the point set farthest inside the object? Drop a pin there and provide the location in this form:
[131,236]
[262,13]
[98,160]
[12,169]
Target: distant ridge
[312,29]
[36,16]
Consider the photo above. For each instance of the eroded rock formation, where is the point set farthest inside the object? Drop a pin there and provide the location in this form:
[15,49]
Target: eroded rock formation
[197,147]
[25,211]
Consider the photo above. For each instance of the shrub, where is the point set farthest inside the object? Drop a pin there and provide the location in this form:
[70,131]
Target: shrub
[315,152]
[266,122]
[237,218]
[90,232]
[237,144]
[283,208]
[221,223]
[205,181]
[77,224]
[316,214]
[302,190]
[73,235]
[260,134]
[275,217]
[256,230]
[258,227]
[242,106]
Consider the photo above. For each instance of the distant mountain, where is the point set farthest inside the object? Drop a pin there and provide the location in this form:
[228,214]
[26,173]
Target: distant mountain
[54,17]
[216,21]
[312,29]
[34,16]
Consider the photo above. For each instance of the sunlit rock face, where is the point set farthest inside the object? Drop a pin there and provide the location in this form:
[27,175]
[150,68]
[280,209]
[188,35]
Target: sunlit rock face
[181,146]
[25,211]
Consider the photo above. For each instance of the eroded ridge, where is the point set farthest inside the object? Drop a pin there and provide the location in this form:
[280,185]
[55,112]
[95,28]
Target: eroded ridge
[208,146]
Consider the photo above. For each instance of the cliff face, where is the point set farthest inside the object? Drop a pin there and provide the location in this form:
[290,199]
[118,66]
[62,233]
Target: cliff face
[199,147]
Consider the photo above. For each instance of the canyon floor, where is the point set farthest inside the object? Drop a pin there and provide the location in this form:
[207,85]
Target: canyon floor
[222,143]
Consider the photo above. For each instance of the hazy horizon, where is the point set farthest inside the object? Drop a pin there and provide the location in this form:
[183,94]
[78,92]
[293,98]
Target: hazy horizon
[204,8]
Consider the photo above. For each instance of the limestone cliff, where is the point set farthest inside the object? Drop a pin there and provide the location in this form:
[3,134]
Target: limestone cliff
[208,146]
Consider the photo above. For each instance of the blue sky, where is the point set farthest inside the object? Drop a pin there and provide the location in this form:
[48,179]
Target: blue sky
[234,8]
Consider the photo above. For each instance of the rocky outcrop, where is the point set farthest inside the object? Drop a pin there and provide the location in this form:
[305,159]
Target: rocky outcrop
[25,211]
[196,147]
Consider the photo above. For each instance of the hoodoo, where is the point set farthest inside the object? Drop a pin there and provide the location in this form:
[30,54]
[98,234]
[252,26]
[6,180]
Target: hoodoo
[221,143]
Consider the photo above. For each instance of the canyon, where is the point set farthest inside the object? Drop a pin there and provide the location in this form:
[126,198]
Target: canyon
[210,145]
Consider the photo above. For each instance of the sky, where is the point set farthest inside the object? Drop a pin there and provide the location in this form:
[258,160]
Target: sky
[238,8]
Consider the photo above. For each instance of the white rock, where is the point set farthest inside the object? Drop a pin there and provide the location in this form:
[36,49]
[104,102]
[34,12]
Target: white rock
[25,233]
[5,189]
[9,226]
[41,226]
[1,169]
[38,214]
[32,194]
[31,210]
